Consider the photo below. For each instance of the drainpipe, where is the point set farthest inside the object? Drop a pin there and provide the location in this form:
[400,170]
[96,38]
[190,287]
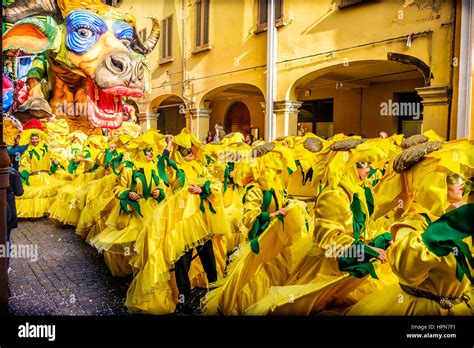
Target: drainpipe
[465,70]
[271,71]
[4,183]
[187,101]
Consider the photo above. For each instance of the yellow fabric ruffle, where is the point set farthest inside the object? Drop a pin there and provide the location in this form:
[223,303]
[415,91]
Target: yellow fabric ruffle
[250,275]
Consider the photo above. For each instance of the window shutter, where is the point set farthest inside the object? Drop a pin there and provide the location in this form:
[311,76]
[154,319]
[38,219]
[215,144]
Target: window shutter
[205,39]
[170,35]
[163,42]
[198,23]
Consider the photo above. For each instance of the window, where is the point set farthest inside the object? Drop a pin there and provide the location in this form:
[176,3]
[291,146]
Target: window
[409,113]
[167,39]
[316,116]
[262,14]
[201,41]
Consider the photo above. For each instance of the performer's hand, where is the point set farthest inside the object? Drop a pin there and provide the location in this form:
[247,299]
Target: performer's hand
[382,254]
[56,162]
[169,141]
[76,160]
[133,196]
[232,174]
[281,211]
[195,189]
[155,193]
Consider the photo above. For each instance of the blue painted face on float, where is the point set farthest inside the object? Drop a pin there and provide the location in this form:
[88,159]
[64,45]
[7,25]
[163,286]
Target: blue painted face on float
[84,29]
[123,32]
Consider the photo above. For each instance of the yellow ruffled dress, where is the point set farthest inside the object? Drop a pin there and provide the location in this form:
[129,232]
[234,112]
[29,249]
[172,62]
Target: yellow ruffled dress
[267,259]
[317,284]
[183,222]
[416,266]
[39,185]
[126,220]
[99,193]
[70,198]
[421,192]
[251,274]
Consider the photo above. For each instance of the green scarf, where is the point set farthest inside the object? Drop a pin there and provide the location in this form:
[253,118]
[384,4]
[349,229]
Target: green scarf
[162,162]
[43,150]
[109,155]
[356,259]
[358,221]
[204,195]
[446,235]
[263,220]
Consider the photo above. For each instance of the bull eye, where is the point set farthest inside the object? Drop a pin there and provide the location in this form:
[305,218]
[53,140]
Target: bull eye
[85,33]
[126,42]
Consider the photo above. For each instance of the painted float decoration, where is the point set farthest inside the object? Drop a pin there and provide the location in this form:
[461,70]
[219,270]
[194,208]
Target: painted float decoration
[86,60]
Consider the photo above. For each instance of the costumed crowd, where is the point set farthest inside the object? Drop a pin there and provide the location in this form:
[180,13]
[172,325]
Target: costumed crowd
[296,226]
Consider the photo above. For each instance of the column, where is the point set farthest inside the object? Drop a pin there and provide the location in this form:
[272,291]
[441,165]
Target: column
[197,121]
[435,109]
[147,121]
[286,112]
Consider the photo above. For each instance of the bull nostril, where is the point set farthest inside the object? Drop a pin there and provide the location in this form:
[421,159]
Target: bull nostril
[118,64]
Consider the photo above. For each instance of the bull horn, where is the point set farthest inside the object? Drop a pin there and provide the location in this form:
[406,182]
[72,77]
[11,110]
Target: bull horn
[25,8]
[150,43]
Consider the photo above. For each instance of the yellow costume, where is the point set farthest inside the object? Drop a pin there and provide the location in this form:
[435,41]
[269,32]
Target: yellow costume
[100,192]
[125,222]
[70,199]
[267,259]
[335,269]
[428,251]
[183,222]
[39,185]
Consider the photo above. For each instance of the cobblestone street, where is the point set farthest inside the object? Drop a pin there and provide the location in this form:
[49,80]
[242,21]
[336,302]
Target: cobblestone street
[69,276]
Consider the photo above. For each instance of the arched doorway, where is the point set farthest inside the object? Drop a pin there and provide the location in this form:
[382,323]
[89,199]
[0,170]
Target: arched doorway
[353,99]
[171,116]
[237,119]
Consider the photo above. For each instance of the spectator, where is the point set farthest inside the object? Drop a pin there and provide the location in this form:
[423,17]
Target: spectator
[300,132]
[14,189]
[15,152]
[209,138]
[249,139]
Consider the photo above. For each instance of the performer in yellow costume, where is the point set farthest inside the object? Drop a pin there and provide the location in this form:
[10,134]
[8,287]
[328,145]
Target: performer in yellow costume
[139,190]
[69,165]
[100,192]
[35,168]
[338,267]
[431,255]
[70,199]
[222,159]
[189,221]
[272,223]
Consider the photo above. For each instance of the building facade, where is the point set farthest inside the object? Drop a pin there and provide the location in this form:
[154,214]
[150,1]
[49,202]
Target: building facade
[350,66]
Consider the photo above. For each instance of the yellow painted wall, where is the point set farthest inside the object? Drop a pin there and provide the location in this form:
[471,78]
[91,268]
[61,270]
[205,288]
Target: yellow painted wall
[313,29]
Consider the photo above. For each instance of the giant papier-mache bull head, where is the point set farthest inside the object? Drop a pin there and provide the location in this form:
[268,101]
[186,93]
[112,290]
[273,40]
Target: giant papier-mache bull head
[93,50]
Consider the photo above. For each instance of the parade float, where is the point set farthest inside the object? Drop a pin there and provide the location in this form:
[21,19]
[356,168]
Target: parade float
[79,62]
